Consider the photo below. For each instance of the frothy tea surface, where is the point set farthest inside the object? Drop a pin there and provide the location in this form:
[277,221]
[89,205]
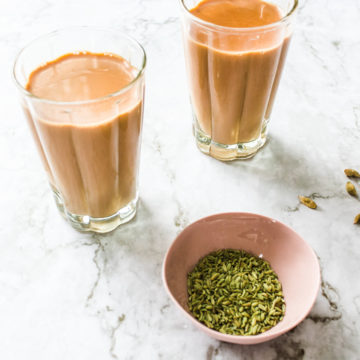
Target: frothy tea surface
[237,13]
[82,76]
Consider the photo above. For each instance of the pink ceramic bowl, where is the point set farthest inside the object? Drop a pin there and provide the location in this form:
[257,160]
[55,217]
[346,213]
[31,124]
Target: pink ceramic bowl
[288,254]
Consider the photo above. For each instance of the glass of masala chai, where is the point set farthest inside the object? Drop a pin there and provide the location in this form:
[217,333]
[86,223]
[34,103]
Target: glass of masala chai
[235,52]
[82,91]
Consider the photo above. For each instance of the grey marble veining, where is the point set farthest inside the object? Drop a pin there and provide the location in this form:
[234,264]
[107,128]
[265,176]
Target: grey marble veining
[67,295]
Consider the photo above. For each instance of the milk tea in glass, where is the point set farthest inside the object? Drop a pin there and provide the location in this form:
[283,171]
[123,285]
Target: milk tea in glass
[82,91]
[235,52]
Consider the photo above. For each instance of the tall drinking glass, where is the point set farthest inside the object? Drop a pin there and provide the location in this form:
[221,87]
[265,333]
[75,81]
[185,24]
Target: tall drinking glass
[90,148]
[234,75]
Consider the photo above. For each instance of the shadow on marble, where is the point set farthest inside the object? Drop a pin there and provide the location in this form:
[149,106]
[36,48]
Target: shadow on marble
[141,238]
[288,164]
[289,168]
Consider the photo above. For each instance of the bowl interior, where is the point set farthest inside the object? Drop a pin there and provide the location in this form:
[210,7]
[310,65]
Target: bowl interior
[288,254]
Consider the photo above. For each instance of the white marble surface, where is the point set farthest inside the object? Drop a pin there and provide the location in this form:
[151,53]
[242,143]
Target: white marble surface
[67,295]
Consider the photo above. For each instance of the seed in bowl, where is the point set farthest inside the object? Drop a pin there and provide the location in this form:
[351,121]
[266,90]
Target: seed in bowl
[235,293]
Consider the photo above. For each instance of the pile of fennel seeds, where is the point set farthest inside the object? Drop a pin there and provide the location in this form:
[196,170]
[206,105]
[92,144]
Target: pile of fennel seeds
[236,293]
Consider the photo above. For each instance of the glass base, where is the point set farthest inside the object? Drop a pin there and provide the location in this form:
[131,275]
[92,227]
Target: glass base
[223,152]
[98,225]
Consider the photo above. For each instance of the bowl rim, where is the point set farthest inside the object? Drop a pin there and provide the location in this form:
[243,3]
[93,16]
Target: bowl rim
[241,339]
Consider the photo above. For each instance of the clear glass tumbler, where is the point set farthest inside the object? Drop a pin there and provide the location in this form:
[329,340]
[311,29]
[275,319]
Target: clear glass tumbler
[90,149]
[234,74]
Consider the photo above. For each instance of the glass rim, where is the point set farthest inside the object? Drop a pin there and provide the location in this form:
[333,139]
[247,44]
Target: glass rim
[242,29]
[78,102]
